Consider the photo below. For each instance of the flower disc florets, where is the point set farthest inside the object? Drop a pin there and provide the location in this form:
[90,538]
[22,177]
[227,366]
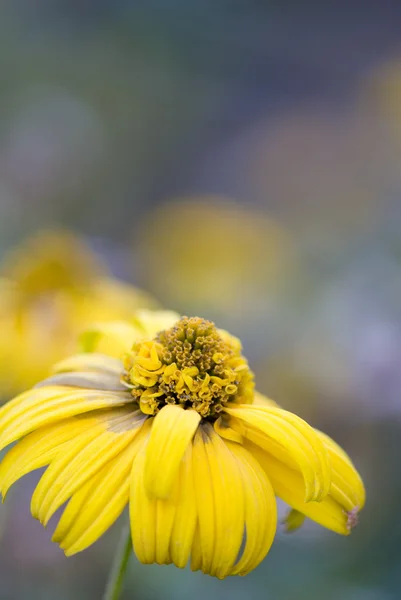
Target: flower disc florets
[192,364]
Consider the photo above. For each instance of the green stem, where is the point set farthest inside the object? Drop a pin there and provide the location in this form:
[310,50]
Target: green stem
[119,566]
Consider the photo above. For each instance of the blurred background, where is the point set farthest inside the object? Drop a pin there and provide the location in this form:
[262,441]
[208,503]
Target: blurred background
[238,160]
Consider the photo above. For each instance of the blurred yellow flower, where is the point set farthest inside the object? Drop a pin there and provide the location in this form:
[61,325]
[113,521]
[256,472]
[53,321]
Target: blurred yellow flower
[52,287]
[209,252]
[175,429]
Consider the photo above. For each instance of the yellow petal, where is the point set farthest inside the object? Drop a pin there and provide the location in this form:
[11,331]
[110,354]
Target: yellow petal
[346,480]
[260,439]
[90,361]
[295,436]
[74,507]
[196,555]
[172,432]
[112,338]
[229,504]
[223,429]
[106,502]
[288,485]
[185,515]
[96,523]
[44,406]
[204,503]
[9,407]
[260,511]
[38,449]
[142,509]
[75,517]
[70,450]
[153,321]
[165,514]
[169,537]
[88,461]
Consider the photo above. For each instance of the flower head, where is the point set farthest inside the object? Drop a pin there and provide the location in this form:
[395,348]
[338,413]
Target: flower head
[175,430]
[52,287]
[192,365]
[242,244]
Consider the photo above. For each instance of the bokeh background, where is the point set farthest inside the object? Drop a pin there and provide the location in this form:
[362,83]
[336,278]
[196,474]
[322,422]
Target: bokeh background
[239,160]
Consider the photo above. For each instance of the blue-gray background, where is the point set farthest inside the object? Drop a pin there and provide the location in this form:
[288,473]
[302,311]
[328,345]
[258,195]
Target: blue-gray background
[242,160]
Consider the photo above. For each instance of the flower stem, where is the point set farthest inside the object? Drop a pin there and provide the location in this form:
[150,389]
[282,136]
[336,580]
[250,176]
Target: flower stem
[119,566]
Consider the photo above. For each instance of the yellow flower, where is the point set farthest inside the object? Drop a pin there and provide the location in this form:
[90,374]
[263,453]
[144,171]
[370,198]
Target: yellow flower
[52,288]
[242,245]
[175,430]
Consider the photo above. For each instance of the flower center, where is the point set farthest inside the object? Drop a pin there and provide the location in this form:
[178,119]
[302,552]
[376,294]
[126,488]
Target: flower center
[193,364]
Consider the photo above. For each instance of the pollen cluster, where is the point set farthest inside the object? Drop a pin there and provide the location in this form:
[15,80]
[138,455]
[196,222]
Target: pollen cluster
[192,364]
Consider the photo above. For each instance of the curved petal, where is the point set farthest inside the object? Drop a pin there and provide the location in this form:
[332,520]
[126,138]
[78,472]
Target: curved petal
[172,432]
[38,449]
[175,518]
[223,429]
[44,406]
[205,534]
[70,450]
[108,495]
[75,506]
[186,514]
[120,430]
[229,503]
[296,437]
[165,515]
[142,511]
[162,529]
[347,486]
[261,439]
[289,486]
[196,553]
[232,496]
[260,511]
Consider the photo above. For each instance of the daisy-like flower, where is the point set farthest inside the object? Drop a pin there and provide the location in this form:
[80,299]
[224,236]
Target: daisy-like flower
[169,266]
[52,287]
[175,430]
